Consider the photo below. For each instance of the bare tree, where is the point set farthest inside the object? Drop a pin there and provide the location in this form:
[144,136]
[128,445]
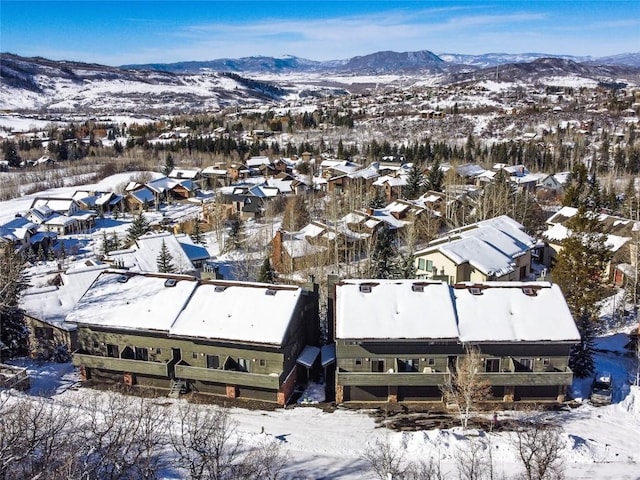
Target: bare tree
[464,387]
[384,460]
[472,462]
[208,446]
[389,463]
[539,445]
[120,437]
[34,439]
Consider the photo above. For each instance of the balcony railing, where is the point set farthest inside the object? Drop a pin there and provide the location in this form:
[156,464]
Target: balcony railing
[142,367]
[229,377]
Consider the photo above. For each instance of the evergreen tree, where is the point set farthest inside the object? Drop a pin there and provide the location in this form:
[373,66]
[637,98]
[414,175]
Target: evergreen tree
[236,233]
[581,357]
[138,227]
[266,274]
[105,246]
[574,193]
[114,243]
[11,154]
[415,182]
[406,267]
[382,263]
[579,273]
[115,213]
[169,165]
[378,200]
[13,330]
[165,259]
[435,179]
[196,233]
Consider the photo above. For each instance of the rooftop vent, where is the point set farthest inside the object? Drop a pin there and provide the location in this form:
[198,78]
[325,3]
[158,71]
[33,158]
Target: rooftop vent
[270,292]
[529,291]
[475,290]
[417,287]
[219,288]
[123,278]
[170,282]
[365,288]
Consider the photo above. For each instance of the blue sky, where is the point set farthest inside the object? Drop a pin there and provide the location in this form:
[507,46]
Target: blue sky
[117,33]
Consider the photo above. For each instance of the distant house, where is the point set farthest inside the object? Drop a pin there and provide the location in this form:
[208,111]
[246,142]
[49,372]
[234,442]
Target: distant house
[140,200]
[398,340]
[176,333]
[143,256]
[494,249]
[619,231]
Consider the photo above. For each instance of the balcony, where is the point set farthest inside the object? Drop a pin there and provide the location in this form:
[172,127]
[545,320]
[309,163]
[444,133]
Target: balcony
[411,379]
[141,367]
[555,377]
[228,377]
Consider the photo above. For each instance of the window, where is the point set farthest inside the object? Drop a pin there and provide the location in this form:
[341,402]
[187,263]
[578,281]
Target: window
[243,365]
[113,350]
[158,351]
[262,362]
[44,333]
[96,345]
[492,365]
[546,362]
[431,362]
[213,361]
[194,354]
[422,264]
[358,362]
[526,364]
[377,365]
[142,353]
[429,266]
[408,365]
[170,282]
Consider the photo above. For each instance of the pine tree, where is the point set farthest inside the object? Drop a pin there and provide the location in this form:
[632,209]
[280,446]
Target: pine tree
[378,200]
[138,227]
[105,246]
[165,259]
[236,233]
[382,263]
[415,182]
[115,213]
[13,331]
[579,273]
[435,179]
[114,242]
[196,234]
[266,274]
[11,154]
[406,267]
[169,165]
[581,357]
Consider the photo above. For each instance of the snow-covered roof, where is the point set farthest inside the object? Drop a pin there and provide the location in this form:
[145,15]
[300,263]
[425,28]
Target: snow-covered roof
[132,302]
[52,303]
[258,161]
[513,312]
[471,313]
[479,254]
[184,173]
[380,309]
[255,313]
[145,257]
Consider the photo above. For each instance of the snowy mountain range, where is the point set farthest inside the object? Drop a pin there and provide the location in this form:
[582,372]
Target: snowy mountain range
[36,84]
[378,62]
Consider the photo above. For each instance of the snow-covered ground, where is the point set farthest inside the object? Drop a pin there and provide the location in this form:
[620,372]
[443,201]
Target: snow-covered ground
[599,442]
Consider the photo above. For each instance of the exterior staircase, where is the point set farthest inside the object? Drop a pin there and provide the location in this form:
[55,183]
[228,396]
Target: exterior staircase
[178,387]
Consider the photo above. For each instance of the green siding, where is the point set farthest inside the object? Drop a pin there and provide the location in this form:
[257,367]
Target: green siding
[381,379]
[121,365]
[228,377]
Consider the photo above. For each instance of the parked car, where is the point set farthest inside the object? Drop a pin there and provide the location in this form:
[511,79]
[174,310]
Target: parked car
[601,391]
